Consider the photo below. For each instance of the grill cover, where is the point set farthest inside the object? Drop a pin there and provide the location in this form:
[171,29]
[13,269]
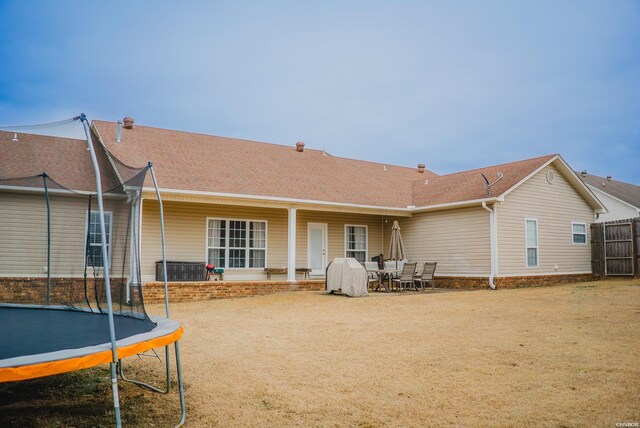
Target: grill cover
[348,276]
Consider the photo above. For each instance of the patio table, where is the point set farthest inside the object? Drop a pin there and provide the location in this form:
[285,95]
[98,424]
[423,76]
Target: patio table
[381,274]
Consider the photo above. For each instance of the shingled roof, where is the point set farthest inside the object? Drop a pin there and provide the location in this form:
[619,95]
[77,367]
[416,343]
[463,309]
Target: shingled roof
[190,162]
[626,192]
[205,163]
[469,185]
[65,160]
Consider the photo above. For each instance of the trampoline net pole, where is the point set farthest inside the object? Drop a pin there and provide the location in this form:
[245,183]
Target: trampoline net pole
[105,261]
[46,198]
[164,254]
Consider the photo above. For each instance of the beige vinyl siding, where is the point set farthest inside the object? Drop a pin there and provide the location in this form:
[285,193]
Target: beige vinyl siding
[336,231]
[555,206]
[186,234]
[23,235]
[457,239]
[185,227]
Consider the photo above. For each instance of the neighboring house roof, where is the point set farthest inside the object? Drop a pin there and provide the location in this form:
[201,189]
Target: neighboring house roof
[196,162]
[626,192]
[65,160]
[188,162]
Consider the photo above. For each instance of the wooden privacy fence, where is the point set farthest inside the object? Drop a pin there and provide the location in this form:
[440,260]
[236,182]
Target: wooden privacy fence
[614,248]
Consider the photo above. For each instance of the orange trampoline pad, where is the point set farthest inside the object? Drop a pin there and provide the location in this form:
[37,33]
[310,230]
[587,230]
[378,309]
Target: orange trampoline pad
[25,367]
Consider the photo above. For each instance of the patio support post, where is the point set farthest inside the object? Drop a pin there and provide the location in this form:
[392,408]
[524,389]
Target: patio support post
[291,258]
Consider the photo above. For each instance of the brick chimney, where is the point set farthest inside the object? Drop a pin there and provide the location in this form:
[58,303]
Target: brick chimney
[128,122]
[300,146]
[421,168]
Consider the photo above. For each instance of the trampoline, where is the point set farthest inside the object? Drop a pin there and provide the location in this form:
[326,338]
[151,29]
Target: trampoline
[41,341]
[60,311]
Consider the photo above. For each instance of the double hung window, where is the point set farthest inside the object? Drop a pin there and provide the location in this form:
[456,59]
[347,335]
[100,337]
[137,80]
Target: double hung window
[236,243]
[531,237]
[356,242]
[94,239]
[579,233]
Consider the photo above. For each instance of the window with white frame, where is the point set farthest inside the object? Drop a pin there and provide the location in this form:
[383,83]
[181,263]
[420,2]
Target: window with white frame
[94,239]
[579,233]
[237,243]
[531,237]
[356,242]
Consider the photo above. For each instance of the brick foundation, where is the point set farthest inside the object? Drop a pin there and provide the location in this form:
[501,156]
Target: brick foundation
[153,292]
[543,280]
[63,291]
[476,283]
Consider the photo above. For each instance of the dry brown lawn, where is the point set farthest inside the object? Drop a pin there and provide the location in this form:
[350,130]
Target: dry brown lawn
[553,356]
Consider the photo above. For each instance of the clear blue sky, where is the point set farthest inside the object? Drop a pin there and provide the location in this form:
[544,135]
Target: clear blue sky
[453,84]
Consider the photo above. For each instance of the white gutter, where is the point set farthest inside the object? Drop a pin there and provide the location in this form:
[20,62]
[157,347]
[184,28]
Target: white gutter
[459,204]
[492,242]
[276,199]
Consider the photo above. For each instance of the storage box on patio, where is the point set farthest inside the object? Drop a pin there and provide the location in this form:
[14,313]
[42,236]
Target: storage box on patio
[348,276]
[182,271]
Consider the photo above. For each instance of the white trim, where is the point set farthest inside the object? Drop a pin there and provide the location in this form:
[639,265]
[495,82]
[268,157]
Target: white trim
[573,233]
[602,208]
[459,204]
[292,232]
[594,188]
[496,264]
[325,243]
[540,168]
[74,193]
[366,231]
[526,245]
[247,248]
[275,199]
[87,220]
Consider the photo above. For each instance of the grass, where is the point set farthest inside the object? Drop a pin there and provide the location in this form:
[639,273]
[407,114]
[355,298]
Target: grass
[553,356]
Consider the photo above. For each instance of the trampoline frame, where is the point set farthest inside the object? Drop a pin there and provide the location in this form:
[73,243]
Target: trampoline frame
[126,349]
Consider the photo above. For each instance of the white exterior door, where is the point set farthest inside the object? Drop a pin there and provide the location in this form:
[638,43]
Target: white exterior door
[317,247]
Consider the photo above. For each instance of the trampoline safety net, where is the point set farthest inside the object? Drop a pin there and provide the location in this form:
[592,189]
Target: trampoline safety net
[55,255]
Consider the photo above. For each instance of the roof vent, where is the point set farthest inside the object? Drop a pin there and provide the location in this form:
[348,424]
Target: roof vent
[300,146]
[608,178]
[421,168]
[119,133]
[584,173]
[128,122]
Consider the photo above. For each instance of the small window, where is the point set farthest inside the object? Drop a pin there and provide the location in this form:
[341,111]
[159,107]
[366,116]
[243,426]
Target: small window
[94,239]
[531,232]
[579,233]
[356,242]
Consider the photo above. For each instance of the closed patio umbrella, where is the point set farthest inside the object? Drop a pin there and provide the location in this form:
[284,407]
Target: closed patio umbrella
[396,247]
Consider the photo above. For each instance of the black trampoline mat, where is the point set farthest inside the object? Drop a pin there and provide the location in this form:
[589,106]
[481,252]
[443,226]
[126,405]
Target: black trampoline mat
[31,331]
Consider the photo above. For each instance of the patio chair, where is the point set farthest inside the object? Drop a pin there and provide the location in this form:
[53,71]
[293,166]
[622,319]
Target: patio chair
[427,276]
[406,279]
[372,276]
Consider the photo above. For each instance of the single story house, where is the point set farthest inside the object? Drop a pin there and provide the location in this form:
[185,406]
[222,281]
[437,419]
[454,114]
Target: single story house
[622,199]
[246,206]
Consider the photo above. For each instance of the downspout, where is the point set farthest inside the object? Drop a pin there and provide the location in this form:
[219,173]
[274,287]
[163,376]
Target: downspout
[492,242]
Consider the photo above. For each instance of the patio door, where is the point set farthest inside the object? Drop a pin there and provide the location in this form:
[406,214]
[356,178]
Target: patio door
[317,247]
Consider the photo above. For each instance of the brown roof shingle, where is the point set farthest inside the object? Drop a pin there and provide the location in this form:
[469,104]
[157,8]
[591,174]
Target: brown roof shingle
[469,185]
[197,162]
[65,160]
